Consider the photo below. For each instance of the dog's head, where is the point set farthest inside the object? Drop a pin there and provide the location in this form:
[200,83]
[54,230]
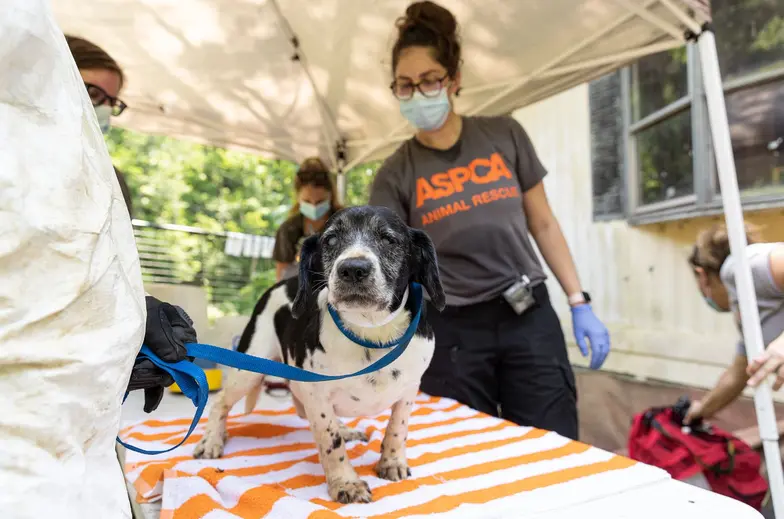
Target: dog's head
[366,257]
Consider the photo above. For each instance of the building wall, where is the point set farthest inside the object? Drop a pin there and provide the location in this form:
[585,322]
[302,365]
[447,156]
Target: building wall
[638,276]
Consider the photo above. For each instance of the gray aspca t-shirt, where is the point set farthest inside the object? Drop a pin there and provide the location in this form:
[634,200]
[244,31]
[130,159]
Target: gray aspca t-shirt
[770,299]
[469,200]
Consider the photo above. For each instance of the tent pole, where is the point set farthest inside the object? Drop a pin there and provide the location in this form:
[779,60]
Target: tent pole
[747,299]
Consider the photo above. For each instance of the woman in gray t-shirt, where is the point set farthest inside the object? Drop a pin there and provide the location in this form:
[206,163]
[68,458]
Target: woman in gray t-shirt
[714,269]
[474,184]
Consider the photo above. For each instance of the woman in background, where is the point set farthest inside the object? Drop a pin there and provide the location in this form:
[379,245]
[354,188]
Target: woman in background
[315,201]
[714,270]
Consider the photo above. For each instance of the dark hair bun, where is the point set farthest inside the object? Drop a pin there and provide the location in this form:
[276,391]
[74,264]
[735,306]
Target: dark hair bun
[429,16]
[427,24]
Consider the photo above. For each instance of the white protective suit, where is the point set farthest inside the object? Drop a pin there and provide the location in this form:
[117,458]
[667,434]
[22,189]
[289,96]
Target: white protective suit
[72,307]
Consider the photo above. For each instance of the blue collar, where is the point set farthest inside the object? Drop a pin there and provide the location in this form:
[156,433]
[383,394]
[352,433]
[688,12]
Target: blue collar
[416,291]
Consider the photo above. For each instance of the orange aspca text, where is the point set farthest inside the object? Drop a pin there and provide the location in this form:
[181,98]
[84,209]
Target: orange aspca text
[479,171]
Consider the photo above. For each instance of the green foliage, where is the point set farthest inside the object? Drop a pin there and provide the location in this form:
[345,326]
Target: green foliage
[218,190]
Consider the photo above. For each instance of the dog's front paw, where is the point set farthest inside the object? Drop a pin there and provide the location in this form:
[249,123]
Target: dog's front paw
[393,469]
[210,447]
[349,491]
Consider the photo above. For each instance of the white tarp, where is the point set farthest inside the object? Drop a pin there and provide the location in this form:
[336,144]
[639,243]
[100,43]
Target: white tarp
[221,71]
[71,298]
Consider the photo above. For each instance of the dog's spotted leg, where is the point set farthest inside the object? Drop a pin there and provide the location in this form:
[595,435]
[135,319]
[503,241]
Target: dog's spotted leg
[343,483]
[393,464]
[238,384]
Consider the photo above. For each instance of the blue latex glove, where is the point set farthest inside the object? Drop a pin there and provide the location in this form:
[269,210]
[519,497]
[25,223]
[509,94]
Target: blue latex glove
[586,324]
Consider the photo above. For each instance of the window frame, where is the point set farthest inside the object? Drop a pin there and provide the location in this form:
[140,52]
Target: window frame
[705,199]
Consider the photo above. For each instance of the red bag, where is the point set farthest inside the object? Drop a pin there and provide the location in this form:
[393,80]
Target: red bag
[729,465]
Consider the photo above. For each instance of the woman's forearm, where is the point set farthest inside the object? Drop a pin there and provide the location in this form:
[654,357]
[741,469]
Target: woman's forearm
[730,386]
[555,250]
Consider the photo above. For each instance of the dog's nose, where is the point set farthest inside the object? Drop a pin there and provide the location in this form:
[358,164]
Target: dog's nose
[354,270]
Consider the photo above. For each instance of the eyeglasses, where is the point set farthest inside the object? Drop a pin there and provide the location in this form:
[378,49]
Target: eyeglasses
[428,87]
[98,96]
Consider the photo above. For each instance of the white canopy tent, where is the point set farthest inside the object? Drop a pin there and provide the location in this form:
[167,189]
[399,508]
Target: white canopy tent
[291,78]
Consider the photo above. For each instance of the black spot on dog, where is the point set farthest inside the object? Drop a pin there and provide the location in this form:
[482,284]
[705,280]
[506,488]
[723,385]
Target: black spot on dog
[355,398]
[329,451]
[337,441]
[395,435]
[323,415]
[395,374]
[311,363]
[342,459]
[367,354]
[394,450]
[371,380]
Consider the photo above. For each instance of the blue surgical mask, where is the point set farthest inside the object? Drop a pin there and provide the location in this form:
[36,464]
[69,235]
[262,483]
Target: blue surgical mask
[426,113]
[314,211]
[104,114]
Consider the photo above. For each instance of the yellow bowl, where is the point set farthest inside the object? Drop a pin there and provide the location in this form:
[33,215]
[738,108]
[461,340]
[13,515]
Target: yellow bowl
[214,379]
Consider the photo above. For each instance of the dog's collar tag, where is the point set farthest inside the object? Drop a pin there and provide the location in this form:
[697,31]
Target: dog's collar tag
[367,323]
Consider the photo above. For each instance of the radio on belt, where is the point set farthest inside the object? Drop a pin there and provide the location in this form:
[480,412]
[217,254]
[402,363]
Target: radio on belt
[520,296]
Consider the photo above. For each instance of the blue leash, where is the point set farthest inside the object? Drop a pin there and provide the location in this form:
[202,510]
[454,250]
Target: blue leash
[193,382]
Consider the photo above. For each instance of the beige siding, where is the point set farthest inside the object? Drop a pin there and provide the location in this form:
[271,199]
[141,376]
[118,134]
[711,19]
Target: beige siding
[638,276]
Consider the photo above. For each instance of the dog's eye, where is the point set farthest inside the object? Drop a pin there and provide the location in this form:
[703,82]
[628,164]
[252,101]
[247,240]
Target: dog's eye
[332,241]
[387,240]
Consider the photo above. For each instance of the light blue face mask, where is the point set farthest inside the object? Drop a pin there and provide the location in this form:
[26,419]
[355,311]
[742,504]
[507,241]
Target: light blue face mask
[104,114]
[426,113]
[314,211]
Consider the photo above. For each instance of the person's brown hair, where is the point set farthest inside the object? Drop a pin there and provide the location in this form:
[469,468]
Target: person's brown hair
[713,247]
[126,192]
[89,56]
[427,24]
[313,172]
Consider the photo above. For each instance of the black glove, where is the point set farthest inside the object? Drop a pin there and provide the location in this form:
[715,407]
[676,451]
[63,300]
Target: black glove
[168,329]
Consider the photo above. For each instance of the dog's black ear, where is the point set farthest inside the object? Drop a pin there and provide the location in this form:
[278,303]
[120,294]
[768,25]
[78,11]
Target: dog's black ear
[310,273]
[425,267]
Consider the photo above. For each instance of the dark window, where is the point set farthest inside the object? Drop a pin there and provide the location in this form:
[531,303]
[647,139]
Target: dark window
[664,159]
[749,35]
[657,81]
[756,117]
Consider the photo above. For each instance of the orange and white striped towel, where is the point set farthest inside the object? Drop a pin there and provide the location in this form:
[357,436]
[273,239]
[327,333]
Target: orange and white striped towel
[463,463]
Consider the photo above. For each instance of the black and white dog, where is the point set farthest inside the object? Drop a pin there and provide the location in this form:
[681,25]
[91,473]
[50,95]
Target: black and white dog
[362,265]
